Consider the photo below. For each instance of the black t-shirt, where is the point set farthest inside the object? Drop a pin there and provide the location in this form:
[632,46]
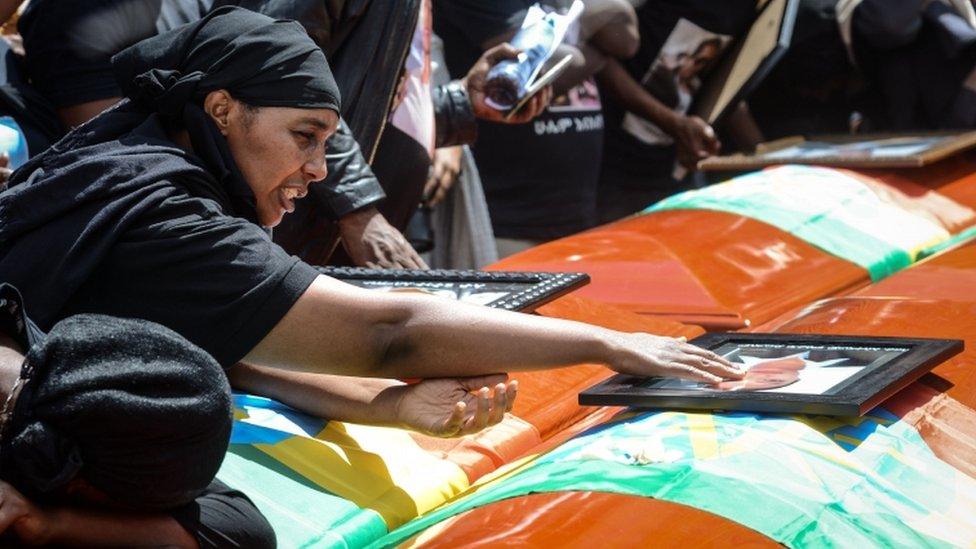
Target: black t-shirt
[121,222]
[539,178]
[222,517]
[215,279]
[680,40]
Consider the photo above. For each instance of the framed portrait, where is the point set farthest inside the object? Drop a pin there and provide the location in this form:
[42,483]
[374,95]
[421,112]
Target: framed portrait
[787,373]
[909,150]
[749,61]
[513,291]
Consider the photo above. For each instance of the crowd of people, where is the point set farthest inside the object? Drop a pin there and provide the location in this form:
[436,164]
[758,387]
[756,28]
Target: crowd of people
[166,148]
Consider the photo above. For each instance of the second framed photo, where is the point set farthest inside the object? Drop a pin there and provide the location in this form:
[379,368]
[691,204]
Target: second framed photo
[786,373]
[514,291]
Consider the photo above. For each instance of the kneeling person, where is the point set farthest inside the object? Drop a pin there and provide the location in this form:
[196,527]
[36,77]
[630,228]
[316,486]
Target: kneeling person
[111,435]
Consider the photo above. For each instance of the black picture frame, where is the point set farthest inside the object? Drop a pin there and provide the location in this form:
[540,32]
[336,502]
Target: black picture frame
[880,150]
[861,389]
[518,291]
[749,61]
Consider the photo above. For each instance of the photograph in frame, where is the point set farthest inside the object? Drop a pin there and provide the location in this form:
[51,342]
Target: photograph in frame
[830,375]
[909,150]
[748,63]
[514,291]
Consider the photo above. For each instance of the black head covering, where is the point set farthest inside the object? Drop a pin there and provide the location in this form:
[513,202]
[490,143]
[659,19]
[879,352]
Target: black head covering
[68,206]
[259,60]
[128,405]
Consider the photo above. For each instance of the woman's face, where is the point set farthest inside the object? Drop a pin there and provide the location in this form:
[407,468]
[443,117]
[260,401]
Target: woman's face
[279,151]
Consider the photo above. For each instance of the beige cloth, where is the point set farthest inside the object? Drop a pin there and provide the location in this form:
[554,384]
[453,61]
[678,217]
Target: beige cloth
[463,238]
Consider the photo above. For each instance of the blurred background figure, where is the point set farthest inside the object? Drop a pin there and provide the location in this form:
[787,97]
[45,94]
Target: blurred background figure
[540,179]
[647,97]
[462,234]
[814,89]
[918,58]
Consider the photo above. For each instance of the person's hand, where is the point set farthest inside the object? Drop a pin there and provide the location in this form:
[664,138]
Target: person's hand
[474,83]
[694,140]
[371,241]
[445,170]
[450,407]
[5,170]
[30,523]
[647,355]
[15,42]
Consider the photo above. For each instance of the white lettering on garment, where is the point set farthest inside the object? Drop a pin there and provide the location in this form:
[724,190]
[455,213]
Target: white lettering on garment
[558,126]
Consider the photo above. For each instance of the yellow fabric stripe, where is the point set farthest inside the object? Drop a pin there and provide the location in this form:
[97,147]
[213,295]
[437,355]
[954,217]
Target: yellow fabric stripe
[374,467]
[704,439]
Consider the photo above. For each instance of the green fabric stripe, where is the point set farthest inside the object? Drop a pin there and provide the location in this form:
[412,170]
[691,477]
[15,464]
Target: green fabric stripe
[789,478]
[964,236]
[302,514]
[818,206]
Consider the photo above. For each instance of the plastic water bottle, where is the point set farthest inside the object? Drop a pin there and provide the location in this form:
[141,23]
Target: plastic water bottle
[506,81]
[12,142]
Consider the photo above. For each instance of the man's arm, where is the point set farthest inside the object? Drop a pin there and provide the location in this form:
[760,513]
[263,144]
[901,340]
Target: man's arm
[350,194]
[371,241]
[339,329]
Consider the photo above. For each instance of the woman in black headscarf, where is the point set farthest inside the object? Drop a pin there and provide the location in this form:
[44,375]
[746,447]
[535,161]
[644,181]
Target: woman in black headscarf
[154,210]
[111,432]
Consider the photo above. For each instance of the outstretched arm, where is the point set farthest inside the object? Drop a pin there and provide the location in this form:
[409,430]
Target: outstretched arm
[339,329]
[443,407]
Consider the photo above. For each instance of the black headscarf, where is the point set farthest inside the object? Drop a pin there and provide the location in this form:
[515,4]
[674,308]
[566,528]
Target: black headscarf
[68,206]
[260,61]
[130,406]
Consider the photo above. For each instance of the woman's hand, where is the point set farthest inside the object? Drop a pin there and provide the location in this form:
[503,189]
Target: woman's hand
[451,407]
[17,514]
[648,355]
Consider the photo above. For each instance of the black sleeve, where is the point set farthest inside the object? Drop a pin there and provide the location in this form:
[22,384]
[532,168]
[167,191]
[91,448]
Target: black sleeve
[217,280]
[223,518]
[888,24]
[454,117]
[350,184]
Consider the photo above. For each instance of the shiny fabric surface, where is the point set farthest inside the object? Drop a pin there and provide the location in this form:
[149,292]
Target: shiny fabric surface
[585,520]
[714,269]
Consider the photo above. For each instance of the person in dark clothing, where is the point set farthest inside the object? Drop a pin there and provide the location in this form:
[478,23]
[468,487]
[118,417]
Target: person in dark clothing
[155,209]
[539,179]
[111,433]
[68,47]
[919,59]
[69,44]
[381,53]
[812,90]
[649,128]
